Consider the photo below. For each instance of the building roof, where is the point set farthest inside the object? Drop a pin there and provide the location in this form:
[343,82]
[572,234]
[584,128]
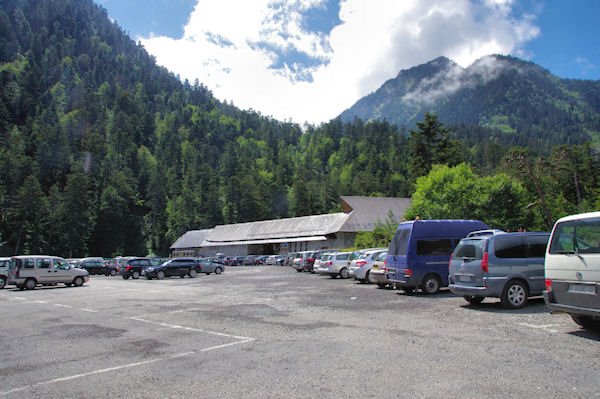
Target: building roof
[360,214]
[365,212]
[191,239]
[304,226]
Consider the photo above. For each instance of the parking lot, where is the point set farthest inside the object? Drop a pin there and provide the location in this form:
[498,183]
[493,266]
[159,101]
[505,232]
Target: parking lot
[269,332]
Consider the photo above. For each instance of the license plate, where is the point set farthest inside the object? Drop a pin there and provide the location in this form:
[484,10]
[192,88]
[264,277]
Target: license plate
[582,289]
[464,278]
[375,267]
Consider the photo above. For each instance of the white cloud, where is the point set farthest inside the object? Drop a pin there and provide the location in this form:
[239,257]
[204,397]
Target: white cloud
[238,48]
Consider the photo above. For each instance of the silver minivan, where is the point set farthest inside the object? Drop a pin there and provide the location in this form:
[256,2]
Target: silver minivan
[28,271]
[509,266]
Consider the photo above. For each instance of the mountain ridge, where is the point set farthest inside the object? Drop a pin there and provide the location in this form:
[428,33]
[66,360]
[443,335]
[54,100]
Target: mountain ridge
[499,92]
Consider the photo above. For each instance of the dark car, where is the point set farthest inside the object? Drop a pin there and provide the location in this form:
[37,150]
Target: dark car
[97,266]
[308,261]
[133,267]
[173,267]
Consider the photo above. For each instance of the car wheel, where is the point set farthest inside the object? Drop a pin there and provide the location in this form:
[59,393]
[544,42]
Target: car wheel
[113,272]
[2,282]
[135,275]
[344,273]
[107,273]
[514,295]
[182,276]
[218,270]
[78,281]
[148,278]
[367,279]
[381,285]
[125,276]
[299,270]
[586,322]
[30,284]
[160,275]
[193,273]
[431,284]
[473,299]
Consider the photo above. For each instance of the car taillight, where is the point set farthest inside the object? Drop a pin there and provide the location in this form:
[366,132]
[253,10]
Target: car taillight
[548,285]
[311,259]
[484,263]
[329,263]
[128,267]
[408,272]
[385,269]
[361,263]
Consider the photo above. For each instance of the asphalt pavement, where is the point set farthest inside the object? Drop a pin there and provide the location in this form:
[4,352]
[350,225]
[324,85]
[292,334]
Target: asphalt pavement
[270,332]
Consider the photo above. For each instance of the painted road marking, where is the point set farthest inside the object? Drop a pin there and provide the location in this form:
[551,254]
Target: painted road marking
[546,327]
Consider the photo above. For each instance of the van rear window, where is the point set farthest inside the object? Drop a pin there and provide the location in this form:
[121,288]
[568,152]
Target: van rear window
[399,244]
[470,249]
[576,236]
[434,247]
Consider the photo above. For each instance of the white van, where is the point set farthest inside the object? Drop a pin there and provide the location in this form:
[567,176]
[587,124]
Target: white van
[27,271]
[572,269]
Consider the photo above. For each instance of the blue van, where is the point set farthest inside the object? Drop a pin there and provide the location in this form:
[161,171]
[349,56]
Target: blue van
[419,253]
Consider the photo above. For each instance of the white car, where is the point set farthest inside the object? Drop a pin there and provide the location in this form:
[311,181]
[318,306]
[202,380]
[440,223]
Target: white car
[334,264]
[28,271]
[360,268]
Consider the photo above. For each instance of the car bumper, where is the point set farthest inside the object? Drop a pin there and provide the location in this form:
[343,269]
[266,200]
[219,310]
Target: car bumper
[378,277]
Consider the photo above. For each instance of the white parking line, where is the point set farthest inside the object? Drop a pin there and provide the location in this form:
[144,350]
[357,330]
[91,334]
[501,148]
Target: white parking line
[89,310]
[246,339]
[242,340]
[546,327]
[60,305]
[106,370]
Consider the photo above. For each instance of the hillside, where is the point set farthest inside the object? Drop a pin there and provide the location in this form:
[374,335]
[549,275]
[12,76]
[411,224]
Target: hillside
[103,152]
[517,102]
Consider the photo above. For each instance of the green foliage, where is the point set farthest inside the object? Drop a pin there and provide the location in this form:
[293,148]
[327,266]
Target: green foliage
[104,153]
[381,236]
[458,193]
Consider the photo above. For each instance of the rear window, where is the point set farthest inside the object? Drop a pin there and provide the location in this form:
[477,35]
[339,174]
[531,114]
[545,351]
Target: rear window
[509,247]
[434,247]
[325,257]
[399,244]
[470,249]
[576,236]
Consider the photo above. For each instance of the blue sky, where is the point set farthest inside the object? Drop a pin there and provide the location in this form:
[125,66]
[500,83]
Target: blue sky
[308,60]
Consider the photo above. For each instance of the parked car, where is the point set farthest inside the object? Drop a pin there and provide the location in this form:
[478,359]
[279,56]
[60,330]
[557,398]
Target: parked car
[97,266]
[509,266]
[133,267]
[27,271]
[308,260]
[360,268]
[173,267]
[298,261]
[334,264]
[378,274]
[208,267]
[572,269]
[3,271]
[289,259]
[250,260]
[420,252]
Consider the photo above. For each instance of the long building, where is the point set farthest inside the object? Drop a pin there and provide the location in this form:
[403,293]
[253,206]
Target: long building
[280,236]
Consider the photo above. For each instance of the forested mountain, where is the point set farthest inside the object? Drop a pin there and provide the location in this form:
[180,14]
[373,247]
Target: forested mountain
[103,152]
[507,100]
